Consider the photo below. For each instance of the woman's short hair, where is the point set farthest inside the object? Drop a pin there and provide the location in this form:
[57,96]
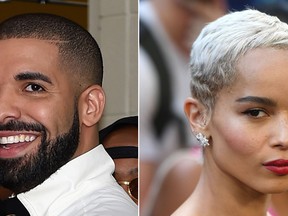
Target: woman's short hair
[215,53]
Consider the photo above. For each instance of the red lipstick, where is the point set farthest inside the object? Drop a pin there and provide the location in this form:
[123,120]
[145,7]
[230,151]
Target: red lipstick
[279,167]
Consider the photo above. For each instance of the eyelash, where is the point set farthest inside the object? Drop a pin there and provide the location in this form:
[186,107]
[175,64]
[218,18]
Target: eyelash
[252,112]
[31,85]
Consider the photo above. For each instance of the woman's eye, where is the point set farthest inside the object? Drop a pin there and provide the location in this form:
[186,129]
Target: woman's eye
[34,88]
[255,113]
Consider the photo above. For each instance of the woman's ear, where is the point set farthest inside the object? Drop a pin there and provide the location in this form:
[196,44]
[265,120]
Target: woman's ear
[196,114]
[91,105]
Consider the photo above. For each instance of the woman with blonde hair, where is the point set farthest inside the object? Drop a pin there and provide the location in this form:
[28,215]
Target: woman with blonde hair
[239,114]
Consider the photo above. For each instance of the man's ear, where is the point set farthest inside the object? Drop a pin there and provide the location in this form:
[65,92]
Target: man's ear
[91,105]
[197,115]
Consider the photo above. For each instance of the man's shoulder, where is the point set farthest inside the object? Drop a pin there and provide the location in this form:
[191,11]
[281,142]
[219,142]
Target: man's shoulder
[102,201]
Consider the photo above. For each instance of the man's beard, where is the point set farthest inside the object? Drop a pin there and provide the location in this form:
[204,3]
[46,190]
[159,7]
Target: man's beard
[24,173]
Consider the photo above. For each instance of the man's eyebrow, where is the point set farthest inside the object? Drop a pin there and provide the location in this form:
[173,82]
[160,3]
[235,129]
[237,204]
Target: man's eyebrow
[32,76]
[259,100]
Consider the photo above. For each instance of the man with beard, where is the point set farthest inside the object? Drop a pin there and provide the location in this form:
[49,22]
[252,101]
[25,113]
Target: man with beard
[51,102]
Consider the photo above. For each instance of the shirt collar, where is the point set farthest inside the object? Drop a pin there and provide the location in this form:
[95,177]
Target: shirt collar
[95,163]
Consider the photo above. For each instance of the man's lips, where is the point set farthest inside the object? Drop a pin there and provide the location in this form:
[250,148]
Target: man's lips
[13,139]
[14,144]
[279,167]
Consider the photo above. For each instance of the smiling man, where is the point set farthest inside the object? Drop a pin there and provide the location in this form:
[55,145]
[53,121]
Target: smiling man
[51,102]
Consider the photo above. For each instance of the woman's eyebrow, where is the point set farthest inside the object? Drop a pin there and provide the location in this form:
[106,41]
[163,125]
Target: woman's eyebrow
[33,76]
[259,100]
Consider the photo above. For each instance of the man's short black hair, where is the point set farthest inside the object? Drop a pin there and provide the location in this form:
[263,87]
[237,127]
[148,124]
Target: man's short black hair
[79,53]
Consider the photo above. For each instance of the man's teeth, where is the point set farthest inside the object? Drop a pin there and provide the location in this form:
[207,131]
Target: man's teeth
[17,139]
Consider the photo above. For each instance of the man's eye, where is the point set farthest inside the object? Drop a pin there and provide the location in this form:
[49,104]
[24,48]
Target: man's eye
[255,113]
[34,88]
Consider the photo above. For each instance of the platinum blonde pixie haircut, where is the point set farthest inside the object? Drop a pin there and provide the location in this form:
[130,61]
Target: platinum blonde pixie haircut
[216,51]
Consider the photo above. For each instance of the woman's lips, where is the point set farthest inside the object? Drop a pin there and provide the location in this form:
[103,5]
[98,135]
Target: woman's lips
[279,167]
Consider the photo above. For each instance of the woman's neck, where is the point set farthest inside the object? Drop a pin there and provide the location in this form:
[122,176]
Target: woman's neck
[220,194]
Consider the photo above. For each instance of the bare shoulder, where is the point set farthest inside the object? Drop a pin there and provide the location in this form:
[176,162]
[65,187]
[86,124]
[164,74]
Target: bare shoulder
[178,178]
[185,209]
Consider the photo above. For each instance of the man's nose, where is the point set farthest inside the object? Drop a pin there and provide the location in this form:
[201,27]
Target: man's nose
[9,106]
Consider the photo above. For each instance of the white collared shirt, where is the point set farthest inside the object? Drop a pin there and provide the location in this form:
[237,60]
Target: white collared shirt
[84,186]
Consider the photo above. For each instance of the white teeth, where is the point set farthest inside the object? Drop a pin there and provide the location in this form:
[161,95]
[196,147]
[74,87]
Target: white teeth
[17,139]
[4,140]
[10,139]
[5,147]
[22,138]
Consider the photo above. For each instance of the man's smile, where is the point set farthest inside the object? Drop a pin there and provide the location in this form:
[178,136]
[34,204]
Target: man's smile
[14,144]
[17,138]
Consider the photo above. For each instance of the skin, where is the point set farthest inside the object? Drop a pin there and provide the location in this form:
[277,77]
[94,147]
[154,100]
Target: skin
[244,133]
[279,203]
[36,100]
[18,94]
[177,185]
[126,169]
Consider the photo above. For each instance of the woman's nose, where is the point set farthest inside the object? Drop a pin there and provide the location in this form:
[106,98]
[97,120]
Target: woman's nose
[281,134]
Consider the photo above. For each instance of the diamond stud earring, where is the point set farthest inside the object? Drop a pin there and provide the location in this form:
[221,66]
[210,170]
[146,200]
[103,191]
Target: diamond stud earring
[202,139]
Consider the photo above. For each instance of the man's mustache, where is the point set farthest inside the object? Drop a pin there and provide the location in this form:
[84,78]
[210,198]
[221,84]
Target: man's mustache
[14,125]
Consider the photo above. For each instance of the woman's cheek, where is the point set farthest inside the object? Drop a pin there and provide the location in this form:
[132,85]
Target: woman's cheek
[243,142]
[238,139]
